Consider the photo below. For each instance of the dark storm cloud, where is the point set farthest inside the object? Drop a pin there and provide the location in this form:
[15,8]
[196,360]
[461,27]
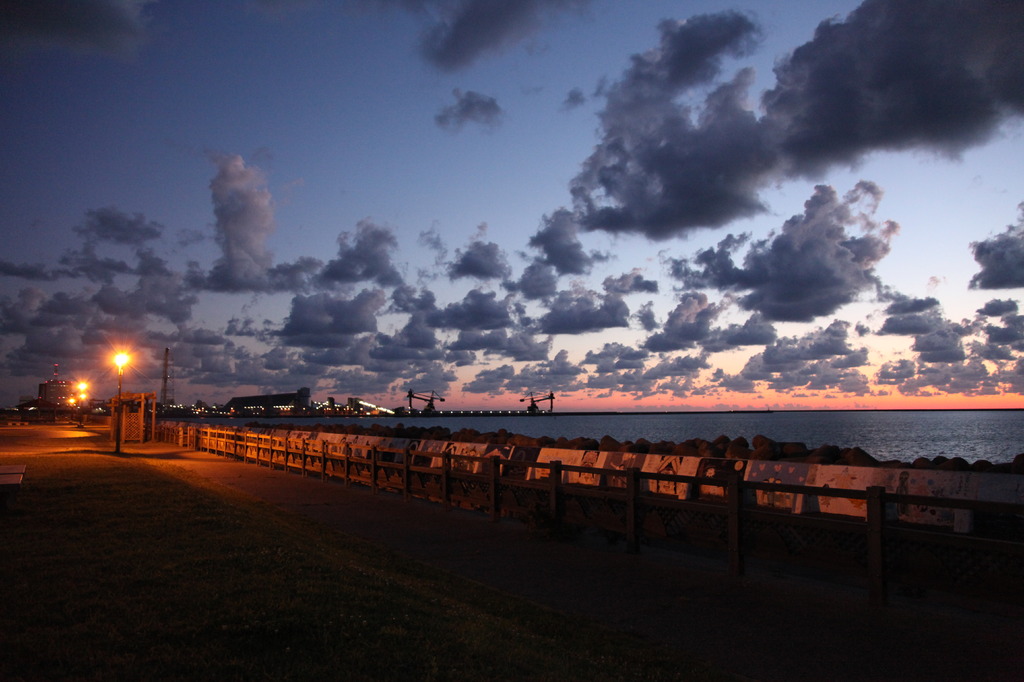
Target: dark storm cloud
[936,339]
[556,374]
[812,268]
[490,381]
[574,98]
[558,241]
[677,366]
[34,271]
[578,312]
[355,352]
[687,324]
[922,379]
[616,357]
[90,265]
[997,307]
[242,327]
[910,316]
[518,345]
[898,74]
[110,224]
[674,375]
[103,227]
[477,310]
[104,25]
[1001,258]
[481,260]
[788,354]
[911,324]
[416,341]
[905,305]
[943,344]
[894,75]
[756,331]
[646,318]
[366,257]
[630,283]
[158,292]
[896,372]
[33,309]
[468,29]
[325,320]
[405,300]
[656,170]
[820,360]
[538,281]
[1011,333]
[293,276]
[469,107]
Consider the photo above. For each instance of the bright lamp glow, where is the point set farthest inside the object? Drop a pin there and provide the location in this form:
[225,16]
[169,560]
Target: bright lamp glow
[121,359]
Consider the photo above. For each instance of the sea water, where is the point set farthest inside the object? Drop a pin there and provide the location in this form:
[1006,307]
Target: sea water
[995,435]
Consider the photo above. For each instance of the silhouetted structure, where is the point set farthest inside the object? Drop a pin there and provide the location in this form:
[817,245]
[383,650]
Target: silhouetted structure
[533,408]
[427,398]
[277,403]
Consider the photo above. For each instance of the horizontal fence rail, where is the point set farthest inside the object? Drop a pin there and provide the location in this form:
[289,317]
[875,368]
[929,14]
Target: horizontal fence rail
[717,510]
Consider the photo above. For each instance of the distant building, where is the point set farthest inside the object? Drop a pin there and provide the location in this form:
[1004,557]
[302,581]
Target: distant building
[360,406]
[58,391]
[276,403]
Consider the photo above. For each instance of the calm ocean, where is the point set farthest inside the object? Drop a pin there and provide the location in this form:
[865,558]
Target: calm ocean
[996,435]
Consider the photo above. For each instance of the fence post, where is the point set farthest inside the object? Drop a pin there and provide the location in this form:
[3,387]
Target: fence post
[373,470]
[632,510]
[347,458]
[495,471]
[555,493]
[446,467]
[406,474]
[734,505]
[876,545]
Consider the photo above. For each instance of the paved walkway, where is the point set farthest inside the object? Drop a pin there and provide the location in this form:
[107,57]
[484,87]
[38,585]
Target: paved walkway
[764,626]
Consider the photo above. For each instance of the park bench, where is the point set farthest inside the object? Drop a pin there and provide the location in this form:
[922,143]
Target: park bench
[10,482]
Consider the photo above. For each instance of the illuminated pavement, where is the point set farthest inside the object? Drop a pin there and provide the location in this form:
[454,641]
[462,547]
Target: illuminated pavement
[764,626]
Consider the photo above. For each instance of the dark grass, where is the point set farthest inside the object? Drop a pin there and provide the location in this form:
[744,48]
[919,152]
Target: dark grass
[114,569]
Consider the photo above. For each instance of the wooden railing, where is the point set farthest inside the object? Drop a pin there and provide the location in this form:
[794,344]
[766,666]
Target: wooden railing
[720,513]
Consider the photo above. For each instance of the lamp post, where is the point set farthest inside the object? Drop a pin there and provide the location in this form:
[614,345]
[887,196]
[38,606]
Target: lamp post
[82,386]
[121,359]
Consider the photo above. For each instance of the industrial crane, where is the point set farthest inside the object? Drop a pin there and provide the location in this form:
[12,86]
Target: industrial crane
[534,399]
[428,399]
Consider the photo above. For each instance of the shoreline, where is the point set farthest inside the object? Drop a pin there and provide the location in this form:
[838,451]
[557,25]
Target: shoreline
[583,413]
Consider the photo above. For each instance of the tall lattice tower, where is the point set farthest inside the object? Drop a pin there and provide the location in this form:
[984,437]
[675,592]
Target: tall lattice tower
[167,389]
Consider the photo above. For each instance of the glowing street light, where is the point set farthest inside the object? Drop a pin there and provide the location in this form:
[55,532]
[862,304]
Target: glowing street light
[121,359]
[82,387]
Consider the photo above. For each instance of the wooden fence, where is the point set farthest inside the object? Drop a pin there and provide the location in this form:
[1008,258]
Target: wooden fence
[723,513]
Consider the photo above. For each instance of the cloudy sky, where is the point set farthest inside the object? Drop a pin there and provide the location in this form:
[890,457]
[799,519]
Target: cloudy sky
[635,205]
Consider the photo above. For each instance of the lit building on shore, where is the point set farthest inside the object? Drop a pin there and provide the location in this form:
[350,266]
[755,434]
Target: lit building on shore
[271,404]
[58,391]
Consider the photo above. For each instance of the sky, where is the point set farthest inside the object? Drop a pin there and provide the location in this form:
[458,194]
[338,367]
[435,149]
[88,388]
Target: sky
[688,205]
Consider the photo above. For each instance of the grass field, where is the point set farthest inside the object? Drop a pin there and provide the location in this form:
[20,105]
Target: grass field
[113,569]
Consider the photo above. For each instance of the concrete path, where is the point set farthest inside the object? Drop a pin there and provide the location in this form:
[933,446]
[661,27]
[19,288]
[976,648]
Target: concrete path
[766,625]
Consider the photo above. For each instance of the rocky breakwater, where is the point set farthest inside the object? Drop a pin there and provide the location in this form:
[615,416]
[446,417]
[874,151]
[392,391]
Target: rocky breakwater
[759,448]
[760,460]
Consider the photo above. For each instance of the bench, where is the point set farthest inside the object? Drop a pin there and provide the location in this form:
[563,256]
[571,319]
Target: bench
[10,482]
